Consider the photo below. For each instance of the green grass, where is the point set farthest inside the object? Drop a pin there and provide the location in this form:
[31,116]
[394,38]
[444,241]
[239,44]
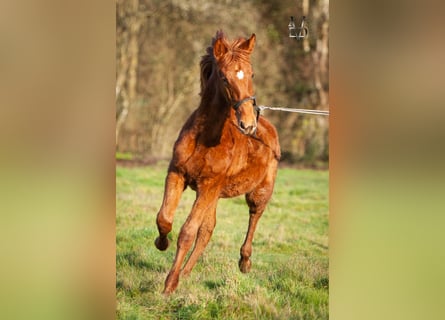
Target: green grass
[289,276]
[124,156]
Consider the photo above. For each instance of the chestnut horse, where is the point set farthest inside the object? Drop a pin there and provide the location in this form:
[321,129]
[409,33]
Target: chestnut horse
[225,149]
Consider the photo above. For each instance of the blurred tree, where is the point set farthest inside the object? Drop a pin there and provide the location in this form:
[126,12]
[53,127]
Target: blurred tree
[129,22]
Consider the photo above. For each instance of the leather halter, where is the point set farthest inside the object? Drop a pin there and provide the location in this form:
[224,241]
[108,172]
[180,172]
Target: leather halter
[240,102]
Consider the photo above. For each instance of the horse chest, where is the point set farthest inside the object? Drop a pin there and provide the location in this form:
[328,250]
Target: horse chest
[209,162]
[235,170]
[235,165]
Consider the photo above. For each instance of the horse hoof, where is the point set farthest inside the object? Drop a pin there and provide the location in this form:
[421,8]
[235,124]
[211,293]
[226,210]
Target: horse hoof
[171,283]
[162,244]
[167,291]
[244,265]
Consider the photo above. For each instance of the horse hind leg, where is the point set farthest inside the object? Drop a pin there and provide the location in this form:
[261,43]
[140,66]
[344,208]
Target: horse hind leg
[257,201]
[187,236]
[255,213]
[204,234]
[174,186]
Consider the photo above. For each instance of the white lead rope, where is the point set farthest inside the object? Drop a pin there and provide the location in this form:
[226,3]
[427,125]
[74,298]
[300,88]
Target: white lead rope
[308,111]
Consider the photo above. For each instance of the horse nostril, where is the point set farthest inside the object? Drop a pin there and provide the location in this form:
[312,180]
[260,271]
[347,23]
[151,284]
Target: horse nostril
[246,128]
[251,130]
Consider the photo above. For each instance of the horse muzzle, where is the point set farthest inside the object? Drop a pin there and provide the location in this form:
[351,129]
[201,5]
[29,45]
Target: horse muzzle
[247,119]
[246,128]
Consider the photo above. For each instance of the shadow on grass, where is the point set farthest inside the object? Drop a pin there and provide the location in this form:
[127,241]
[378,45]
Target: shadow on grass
[322,283]
[322,246]
[134,260]
[214,284]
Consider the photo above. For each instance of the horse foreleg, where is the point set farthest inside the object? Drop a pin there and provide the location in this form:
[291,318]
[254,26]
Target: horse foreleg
[204,234]
[174,186]
[187,236]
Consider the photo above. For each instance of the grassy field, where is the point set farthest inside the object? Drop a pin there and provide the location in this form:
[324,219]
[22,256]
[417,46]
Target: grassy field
[289,276]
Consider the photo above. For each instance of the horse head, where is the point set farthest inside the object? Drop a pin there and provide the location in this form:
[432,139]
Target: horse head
[235,77]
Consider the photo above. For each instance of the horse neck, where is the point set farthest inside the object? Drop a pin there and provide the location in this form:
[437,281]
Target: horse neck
[214,111]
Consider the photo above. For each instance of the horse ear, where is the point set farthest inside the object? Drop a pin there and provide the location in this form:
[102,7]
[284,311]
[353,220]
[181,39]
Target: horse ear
[249,44]
[219,48]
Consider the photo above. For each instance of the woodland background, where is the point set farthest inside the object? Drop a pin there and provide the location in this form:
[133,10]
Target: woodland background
[159,46]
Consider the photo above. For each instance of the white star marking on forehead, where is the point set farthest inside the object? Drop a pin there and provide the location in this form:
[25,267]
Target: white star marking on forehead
[240,74]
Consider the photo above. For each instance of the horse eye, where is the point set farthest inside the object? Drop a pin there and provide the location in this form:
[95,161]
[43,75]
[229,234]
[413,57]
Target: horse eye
[253,75]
